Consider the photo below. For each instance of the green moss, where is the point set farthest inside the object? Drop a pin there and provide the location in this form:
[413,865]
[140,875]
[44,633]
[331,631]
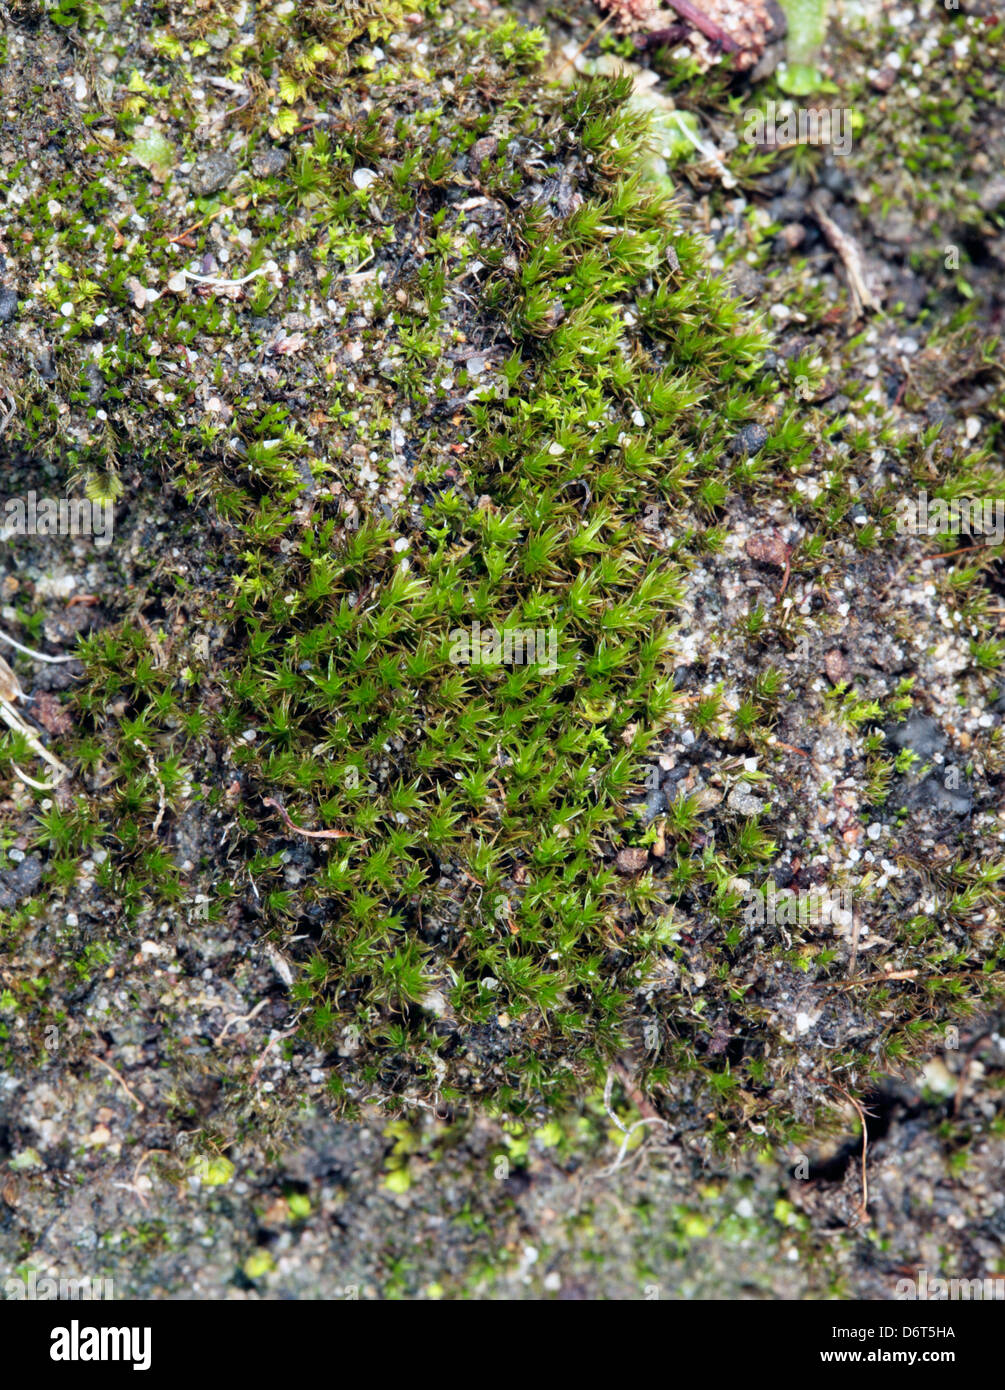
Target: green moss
[534,326]
[807,28]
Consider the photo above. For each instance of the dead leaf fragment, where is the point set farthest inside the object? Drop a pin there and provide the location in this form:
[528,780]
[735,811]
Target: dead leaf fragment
[769,548]
[837,666]
[9,688]
[295,342]
[51,714]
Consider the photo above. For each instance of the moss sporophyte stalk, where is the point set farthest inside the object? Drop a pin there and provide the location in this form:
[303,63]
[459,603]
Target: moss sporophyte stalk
[457,425]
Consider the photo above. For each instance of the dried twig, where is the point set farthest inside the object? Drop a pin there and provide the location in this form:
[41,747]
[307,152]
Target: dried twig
[239,1018]
[133,1186]
[182,235]
[856,930]
[790,748]
[586,43]
[785,576]
[33,782]
[10,690]
[297,830]
[850,255]
[646,1120]
[868,980]
[638,1099]
[111,1070]
[948,554]
[649,1115]
[280,1037]
[712,31]
[863,1214]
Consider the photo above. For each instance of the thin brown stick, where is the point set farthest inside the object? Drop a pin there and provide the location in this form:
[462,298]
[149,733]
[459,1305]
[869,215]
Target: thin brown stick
[863,1214]
[850,255]
[786,576]
[93,1056]
[239,1018]
[586,43]
[182,235]
[280,1037]
[635,1094]
[704,25]
[297,830]
[948,554]
[868,980]
[211,217]
[856,928]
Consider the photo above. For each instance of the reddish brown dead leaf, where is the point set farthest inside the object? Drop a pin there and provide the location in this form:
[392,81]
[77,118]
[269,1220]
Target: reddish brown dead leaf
[632,861]
[769,548]
[51,714]
[837,666]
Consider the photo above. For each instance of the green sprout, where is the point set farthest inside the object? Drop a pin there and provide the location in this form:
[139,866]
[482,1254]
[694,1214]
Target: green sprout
[807,20]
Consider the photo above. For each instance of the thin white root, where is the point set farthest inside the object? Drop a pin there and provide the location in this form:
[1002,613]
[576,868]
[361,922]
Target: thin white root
[628,1139]
[608,1088]
[161,797]
[13,721]
[239,1018]
[29,651]
[30,781]
[220,284]
[626,1130]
